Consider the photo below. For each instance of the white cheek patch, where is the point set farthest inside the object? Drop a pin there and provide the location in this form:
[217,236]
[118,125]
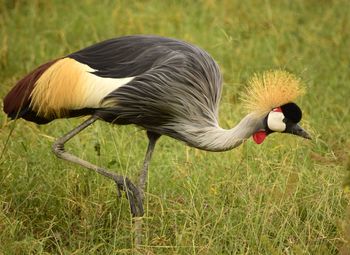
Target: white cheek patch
[275,121]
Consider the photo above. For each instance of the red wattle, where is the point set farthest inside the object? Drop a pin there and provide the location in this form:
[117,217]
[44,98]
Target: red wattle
[259,137]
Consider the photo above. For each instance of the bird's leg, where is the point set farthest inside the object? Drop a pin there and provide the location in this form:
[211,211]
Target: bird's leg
[132,192]
[152,137]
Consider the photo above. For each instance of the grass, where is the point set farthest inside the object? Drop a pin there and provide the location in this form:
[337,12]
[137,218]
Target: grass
[286,196]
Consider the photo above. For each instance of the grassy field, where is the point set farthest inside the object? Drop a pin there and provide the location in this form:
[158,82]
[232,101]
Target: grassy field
[286,196]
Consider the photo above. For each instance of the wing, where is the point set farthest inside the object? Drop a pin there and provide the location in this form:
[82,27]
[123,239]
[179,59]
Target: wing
[144,77]
[174,82]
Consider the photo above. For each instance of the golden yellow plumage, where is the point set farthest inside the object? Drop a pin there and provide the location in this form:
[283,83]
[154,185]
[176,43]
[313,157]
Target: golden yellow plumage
[69,85]
[57,88]
[271,89]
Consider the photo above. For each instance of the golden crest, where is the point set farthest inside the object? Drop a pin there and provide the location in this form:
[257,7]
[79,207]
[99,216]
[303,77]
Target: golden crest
[271,89]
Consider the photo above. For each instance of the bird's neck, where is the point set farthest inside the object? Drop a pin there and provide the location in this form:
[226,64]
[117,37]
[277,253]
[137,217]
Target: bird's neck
[219,139]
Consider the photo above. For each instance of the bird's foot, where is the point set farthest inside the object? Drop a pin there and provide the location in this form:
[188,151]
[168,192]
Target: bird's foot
[132,193]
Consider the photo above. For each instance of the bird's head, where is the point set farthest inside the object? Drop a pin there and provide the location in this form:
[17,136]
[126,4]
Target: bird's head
[269,97]
[283,119]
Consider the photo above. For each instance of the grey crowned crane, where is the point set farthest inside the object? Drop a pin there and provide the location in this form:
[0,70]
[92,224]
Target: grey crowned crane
[165,86]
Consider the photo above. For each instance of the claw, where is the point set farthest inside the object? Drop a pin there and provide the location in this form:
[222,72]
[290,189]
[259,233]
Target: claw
[119,188]
[133,195]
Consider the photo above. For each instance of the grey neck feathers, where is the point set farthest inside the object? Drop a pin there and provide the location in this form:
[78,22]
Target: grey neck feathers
[219,139]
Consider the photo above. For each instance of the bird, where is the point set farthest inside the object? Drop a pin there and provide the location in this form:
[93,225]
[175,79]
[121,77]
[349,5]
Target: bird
[165,86]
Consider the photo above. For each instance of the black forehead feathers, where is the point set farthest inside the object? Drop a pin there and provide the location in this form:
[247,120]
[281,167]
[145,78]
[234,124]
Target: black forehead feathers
[292,112]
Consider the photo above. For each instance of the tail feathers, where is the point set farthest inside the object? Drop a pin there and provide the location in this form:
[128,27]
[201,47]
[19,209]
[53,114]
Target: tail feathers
[17,101]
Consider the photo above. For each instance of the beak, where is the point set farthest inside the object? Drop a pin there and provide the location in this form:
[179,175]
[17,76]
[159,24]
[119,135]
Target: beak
[295,129]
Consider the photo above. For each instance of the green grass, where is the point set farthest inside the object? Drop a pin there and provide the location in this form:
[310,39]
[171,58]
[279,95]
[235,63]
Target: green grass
[285,196]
